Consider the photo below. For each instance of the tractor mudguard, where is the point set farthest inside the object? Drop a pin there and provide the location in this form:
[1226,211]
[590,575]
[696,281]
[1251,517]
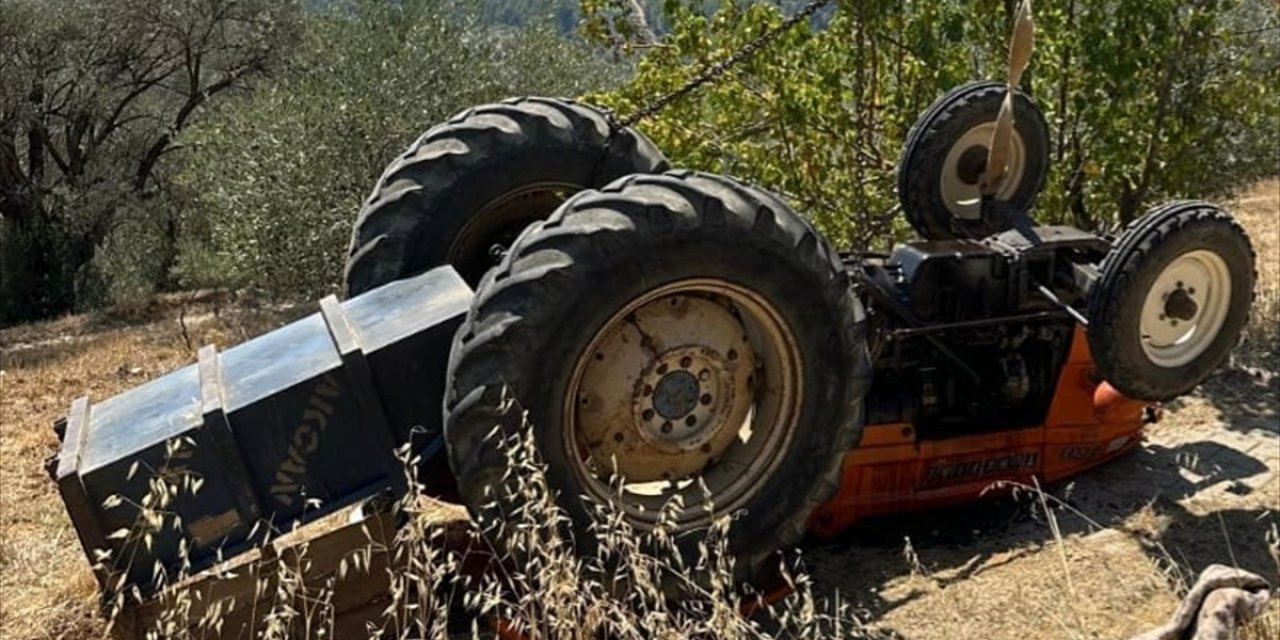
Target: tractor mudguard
[216,457]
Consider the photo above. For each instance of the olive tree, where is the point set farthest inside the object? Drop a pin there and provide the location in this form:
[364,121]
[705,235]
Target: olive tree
[95,95]
[280,174]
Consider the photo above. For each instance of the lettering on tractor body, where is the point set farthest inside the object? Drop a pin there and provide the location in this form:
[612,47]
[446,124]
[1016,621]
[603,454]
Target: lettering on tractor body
[1082,452]
[952,471]
[305,441]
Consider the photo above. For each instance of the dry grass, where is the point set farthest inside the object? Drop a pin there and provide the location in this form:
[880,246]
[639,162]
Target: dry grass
[541,588]
[1258,209]
[46,590]
[1265,627]
[1014,581]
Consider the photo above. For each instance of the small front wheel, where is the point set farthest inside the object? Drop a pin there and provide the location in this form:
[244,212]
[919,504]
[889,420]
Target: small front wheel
[1172,301]
[945,156]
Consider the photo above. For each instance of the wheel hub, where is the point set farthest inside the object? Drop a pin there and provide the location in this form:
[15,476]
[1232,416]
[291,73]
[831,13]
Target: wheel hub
[667,389]
[963,166]
[676,395]
[1185,308]
[971,164]
[1180,305]
[685,398]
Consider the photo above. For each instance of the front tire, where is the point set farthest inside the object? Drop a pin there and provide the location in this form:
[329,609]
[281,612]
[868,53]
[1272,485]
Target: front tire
[1172,301]
[675,328]
[945,156]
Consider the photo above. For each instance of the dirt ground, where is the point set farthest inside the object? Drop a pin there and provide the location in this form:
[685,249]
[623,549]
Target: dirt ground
[1204,489]
[1106,561]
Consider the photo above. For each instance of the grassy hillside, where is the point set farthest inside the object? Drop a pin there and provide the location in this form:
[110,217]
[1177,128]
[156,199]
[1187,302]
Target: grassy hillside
[1206,488]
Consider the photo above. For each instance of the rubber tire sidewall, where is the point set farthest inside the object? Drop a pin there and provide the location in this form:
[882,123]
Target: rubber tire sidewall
[632,264]
[931,138]
[1115,332]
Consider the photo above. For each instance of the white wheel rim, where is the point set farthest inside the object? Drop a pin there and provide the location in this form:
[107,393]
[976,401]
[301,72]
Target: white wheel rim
[631,444]
[1173,332]
[960,191]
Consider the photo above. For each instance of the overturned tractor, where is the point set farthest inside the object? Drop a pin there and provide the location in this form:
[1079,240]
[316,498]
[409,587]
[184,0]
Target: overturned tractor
[675,342]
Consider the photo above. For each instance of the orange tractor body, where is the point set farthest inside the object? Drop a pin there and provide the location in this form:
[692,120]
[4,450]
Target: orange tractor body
[894,470]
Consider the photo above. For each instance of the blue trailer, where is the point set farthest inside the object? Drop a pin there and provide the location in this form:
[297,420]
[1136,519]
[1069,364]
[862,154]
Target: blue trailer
[225,454]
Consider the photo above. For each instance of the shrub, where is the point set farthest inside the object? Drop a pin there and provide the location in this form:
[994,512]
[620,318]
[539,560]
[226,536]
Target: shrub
[280,174]
[1147,99]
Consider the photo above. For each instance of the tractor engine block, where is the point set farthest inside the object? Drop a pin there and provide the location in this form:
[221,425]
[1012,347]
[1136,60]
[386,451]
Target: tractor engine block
[986,350]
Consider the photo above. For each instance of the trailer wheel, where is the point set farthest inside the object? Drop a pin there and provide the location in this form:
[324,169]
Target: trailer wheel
[946,153]
[1172,301]
[668,335]
[463,191]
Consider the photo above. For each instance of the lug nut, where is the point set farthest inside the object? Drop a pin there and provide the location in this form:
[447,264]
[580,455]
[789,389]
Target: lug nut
[691,421]
[704,375]
[686,362]
[648,389]
[705,399]
[647,414]
[666,426]
[662,368]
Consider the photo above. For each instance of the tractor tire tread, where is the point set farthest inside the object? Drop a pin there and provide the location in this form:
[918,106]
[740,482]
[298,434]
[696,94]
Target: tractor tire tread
[540,265]
[389,228]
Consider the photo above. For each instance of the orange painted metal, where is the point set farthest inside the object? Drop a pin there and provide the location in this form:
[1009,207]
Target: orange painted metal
[893,470]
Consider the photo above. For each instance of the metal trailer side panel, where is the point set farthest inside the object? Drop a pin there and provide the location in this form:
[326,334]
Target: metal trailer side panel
[215,458]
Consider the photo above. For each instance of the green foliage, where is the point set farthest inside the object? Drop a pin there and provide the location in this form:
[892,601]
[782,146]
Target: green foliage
[1148,99]
[1155,99]
[281,173]
[94,93]
[126,164]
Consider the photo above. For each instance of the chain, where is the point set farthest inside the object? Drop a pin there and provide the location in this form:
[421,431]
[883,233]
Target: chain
[714,71]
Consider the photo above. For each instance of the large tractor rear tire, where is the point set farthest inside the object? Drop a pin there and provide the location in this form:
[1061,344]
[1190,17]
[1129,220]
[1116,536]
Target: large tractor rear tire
[689,332]
[465,189]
